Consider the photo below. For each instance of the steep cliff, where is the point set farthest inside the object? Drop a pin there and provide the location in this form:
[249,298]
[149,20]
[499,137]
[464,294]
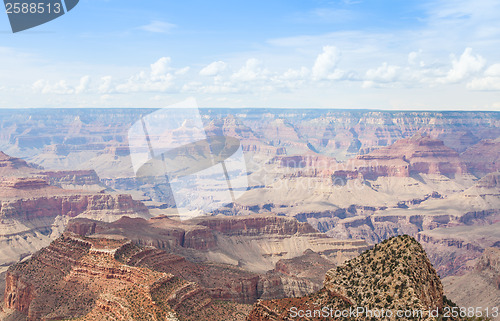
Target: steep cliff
[255,242]
[455,250]
[28,224]
[416,155]
[34,208]
[483,157]
[12,166]
[71,178]
[480,287]
[394,275]
[89,279]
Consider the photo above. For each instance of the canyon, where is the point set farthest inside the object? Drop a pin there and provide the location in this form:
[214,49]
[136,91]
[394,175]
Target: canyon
[323,186]
[394,275]
[255,242]
[187,267]
[34,208]
[96,279]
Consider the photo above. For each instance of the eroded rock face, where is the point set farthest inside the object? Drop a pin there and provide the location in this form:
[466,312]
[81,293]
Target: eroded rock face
[337,132]
[398,263]
[449,254]
[32,223]
[490,261]
[14,169]
[71,206]
[255,225]
[395,273]
[18,184]
[92,278]
[416,155]
[490,181]
[96,279]
[482,158]
[19,294]
[456,249]
[481,285]
[310,266]
[11,166]
[221,282]
[81,177]
[275,252]
[34,208]
[159,232]
[254,242]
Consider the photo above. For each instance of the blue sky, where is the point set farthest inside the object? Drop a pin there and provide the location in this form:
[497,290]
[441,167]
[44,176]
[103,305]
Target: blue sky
[432,55]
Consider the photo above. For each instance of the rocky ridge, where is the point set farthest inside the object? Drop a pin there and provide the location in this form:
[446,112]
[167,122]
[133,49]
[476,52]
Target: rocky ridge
[255,243]
[482,158]
[416,155]
[394,275]
[88,279]
[34,208]
[480,287]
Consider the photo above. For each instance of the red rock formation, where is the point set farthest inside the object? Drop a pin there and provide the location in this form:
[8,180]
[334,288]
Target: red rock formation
[16,167]
[18,293]
[490,181]
[255,225]
[307,160]
[80,177]
[99,278]
[11,166]
[28,187]
[480,286]
[193,238]
[416,155]
[394,273]
[67,280]
[483,157]
[22,183]
[70,205]
[198,233]
[159,232]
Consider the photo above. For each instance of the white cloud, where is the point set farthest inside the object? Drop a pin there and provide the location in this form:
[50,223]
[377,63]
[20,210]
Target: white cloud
[226,88]
[490,81]
[251,71]
[493,70]
[486,83]
[295,74]
[61,87]
[160,78]
[182,71]
[414,58]
[382,75]
[158,27]
[105,87]
[157,79]
[145,83]
[213,69]
[160,68]
[83,86]
[325,64]
[464,67]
